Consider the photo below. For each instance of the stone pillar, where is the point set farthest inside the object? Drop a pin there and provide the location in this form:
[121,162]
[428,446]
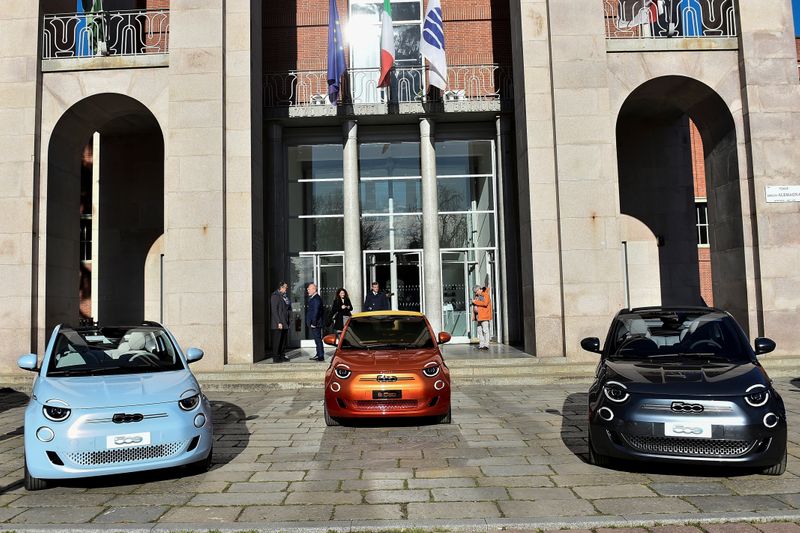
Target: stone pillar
[352,216]
[430,227]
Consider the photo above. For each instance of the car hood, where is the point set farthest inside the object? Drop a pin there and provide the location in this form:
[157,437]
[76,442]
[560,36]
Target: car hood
[386,360]
[99,392]
[689,379]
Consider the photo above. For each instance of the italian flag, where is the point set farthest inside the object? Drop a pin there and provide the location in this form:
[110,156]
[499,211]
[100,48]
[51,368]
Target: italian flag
[387,44]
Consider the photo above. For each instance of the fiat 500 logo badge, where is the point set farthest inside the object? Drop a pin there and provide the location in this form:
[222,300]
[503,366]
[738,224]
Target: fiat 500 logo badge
[680,407]
[119,441]
[687,430]
[383,378]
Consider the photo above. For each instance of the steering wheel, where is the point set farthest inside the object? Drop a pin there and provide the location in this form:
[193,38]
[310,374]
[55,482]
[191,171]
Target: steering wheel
[714,344]
[627,343]
[147,358]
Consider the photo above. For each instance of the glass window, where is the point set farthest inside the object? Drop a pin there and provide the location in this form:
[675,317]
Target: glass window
[702,223]
[316,198]
[316,234]
[323,161]
[459,158]
[401,11]
[465,194]
[396,196]
[397,159]
[468,230]
[407,229]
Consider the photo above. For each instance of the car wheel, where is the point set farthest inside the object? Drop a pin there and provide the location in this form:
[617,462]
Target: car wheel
[595,458]
[329,420]
[778,469]
[448,418]
[33,483]
[203,465]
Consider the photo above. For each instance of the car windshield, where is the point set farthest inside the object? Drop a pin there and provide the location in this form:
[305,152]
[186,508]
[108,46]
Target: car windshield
[664,335]
[387,332]
[109,350]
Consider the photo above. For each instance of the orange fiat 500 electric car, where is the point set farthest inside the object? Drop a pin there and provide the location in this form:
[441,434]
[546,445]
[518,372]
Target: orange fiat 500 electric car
[387,364]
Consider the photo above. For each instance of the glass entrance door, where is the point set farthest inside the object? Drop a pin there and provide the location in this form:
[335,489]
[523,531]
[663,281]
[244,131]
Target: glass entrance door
[399,274]
[461,271]
[327,271]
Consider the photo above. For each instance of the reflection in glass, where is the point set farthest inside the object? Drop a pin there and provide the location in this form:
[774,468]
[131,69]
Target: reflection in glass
[375,232]
[316,234]
[458,158]
[406,196]
[465,194]
[316,198]
[471,230]
[401,11]
[321,161]
[396,159]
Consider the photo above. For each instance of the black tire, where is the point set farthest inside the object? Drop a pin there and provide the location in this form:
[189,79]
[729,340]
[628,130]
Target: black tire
[329,420]
[34,483]
[595,458]
[778,469]
[448,418]
[203,465]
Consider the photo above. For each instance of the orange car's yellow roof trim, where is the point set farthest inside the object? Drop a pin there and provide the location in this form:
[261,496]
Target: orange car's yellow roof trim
[387,313]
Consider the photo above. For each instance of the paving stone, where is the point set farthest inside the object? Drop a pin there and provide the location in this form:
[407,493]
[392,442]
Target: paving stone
[477,494]
[57,515]
[319,475]
[464,471]
[518,481]
[43,499]
[690,489]
[374,484]
[132,500]
[430,511]
[791,499]
[266,486]
[286,513]
[614,491]
[396,496]
[134,515]
[516,470]
[368,512]
[731,528]
[676,529]
[546,493]
[636,506]
[334,498]
[7,513]
[779,527]
[200,515]
[447,482]
[241,499]
[610,478]
[287,475]
[736,503]
[621,530]
[549,508]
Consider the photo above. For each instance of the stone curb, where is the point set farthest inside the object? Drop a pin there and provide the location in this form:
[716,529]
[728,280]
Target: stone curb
[496,524]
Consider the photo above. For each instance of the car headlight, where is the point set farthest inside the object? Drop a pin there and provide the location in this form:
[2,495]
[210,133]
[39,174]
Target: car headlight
[616,392]
[55,413]
[190,403]
[757,396]
[431,371]
[342,372]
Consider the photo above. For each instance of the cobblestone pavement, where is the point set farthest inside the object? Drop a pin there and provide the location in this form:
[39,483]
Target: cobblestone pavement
[512,457]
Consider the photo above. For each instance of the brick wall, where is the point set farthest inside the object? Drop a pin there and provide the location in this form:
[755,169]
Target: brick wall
[699,172]
[296,33]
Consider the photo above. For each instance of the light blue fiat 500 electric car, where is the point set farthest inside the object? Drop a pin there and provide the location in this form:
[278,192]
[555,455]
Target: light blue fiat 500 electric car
[114,400]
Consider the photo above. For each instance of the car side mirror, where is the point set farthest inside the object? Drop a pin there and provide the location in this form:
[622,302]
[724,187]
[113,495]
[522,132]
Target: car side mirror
[444,337]
[28,362]
[193,355]
[330,340]
[764,345]
[591,344]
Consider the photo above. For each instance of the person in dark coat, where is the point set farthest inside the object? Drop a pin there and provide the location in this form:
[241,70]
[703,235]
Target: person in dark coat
[314,322]
[376,299]
[280,308]
[341,309]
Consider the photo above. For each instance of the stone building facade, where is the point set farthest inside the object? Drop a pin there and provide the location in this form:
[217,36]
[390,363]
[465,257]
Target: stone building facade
[557,168]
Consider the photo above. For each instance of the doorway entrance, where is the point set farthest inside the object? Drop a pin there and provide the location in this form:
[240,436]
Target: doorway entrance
[400,275]
[461,271]
[324,269]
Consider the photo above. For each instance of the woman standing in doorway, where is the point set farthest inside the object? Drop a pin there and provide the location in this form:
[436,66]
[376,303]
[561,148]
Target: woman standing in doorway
[341,309]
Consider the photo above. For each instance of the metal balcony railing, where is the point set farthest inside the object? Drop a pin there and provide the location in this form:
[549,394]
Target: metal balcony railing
[107,33]
[657,19]
[408,85]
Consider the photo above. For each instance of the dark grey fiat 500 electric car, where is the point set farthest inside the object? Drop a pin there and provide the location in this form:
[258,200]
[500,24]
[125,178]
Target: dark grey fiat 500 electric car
[684,385]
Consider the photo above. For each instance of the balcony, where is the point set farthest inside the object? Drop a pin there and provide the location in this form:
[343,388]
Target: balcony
[471,88]
[107,39]
[640,25]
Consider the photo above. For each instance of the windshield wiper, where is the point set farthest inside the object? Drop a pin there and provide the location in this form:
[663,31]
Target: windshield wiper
[386,346]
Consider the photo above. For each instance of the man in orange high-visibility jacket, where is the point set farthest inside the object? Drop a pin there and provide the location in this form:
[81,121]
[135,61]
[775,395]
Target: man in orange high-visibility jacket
[483,315]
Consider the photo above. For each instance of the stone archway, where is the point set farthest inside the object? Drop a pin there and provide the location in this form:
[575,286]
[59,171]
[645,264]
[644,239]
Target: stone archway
[656,187]
[129,204]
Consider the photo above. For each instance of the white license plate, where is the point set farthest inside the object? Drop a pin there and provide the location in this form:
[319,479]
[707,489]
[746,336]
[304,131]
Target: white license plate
[694,430]
[126,441]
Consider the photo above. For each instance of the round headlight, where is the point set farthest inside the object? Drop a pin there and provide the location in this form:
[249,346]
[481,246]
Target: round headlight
[757,396]
[616,392]
[342,372]
[56,414]
[431,371]
[190,403]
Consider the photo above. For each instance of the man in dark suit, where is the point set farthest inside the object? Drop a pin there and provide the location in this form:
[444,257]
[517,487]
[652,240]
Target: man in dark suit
[314,320]
[280,308]
[376,299]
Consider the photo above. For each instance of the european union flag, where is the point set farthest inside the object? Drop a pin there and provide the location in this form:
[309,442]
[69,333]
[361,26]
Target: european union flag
[336,65]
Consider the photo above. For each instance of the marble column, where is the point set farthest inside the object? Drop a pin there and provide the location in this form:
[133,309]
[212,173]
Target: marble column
[352,216]
[432,281]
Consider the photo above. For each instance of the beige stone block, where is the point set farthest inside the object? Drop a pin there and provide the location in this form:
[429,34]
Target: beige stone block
[778,261]
[547,268]
[766,16]
[544,204]
[548,297]
[585,299]
[198,243]
[582,162]
[537,80]
[239,177]
[194,210]
[195,61]
[540,132]
[586,130]
[534,20]
[150,87]
[237,63]
[20,145]
[238,95]
[206,87]
[580,74]
[194,141]
[585,47]
[240,277]
[16,177]
[541,165]
[239,212]
[15,214]
[544,236]
[549,340]
[196,114]
[196,28]
[15,315]
[536,53]
[208,337]
[583,233]
[15,95]
[586,199]
[202,173]
[239,143]
[238,35]
[202,307]
[18,37]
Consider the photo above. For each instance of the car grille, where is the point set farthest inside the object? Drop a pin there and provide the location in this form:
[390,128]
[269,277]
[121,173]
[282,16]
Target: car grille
[690,447]
[385,405]
[127,455]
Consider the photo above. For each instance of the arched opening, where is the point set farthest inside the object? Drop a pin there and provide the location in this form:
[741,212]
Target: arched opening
[105,166]
[685,188]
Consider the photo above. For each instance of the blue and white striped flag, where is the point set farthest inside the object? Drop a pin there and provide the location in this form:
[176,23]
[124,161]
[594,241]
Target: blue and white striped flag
[432,45]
